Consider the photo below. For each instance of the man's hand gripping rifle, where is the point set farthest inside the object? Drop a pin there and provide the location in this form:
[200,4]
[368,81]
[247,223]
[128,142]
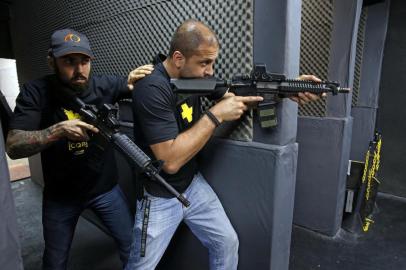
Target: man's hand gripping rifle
[105,120]
[271,86]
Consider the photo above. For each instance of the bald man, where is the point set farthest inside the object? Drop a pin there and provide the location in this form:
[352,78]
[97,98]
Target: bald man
[172,128]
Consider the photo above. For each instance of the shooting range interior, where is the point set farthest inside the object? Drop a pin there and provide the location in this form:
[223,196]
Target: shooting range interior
[323,188]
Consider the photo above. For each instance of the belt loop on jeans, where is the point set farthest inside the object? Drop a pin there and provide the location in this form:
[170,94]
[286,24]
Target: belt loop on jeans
[145,225]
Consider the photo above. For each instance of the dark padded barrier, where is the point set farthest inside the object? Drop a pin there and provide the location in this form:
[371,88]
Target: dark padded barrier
[10,254]
[321,173]
[392,100]
[365,109]
[320,189]
[254,181]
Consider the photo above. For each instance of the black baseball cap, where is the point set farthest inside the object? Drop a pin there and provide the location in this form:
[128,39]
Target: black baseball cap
[67,41]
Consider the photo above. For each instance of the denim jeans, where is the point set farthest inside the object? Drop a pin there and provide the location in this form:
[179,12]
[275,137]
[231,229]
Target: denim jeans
[59,220]
[205,217]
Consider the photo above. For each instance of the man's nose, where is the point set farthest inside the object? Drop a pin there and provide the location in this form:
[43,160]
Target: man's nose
[79,66]
[209,71]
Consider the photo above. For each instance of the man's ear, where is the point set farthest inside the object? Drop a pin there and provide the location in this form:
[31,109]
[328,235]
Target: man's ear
[51,62]
[178,59]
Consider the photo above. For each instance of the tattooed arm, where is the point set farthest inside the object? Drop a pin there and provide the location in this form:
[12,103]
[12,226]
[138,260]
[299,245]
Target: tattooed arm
[22,143]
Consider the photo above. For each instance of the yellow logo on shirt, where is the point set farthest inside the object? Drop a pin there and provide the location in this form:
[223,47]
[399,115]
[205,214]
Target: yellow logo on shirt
[71,115]
[187,112]
[78,148]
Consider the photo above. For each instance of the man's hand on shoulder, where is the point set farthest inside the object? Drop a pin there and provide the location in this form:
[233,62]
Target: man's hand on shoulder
[306,97]
[137,74]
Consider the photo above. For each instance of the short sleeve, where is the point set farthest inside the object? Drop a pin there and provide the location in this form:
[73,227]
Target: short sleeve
[28,111]
[153,107]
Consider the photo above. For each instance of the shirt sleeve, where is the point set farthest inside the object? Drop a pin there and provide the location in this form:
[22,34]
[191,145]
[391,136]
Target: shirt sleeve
[153,107]
[118,85]
[27,113]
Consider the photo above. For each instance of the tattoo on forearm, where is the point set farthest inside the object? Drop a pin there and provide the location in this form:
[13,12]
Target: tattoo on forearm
[21,143]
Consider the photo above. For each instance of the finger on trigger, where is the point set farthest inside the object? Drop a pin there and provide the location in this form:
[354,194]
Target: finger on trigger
[251,98]
[93,129]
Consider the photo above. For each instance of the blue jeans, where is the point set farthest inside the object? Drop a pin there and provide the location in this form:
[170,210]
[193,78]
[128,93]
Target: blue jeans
[205,217]
[59,220]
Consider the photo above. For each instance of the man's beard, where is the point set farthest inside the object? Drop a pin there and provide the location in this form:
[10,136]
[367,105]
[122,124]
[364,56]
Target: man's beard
[77,88]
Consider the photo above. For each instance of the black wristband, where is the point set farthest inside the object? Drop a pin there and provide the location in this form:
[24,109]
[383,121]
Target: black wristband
[212,118]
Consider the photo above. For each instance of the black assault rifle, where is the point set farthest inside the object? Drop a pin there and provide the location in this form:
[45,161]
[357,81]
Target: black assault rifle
[271,86]
[105,120]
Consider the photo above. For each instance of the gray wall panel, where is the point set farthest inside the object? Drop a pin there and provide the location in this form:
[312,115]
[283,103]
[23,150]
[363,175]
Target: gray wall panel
[375,36]
[392,100]
[321,174]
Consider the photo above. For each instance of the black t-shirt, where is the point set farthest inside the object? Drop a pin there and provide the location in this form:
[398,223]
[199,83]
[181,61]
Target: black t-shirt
[160,115]
[71,170]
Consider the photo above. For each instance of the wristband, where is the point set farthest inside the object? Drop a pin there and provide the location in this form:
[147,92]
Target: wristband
[214,119]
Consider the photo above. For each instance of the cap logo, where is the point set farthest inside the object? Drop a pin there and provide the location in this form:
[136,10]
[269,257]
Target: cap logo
[72,37]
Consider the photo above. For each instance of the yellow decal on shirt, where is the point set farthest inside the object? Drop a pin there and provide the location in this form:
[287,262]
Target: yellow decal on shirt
[187,112]
[78,148]
[71,115]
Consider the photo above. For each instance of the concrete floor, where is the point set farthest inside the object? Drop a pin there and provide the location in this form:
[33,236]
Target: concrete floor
[91,248]
[383,247]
